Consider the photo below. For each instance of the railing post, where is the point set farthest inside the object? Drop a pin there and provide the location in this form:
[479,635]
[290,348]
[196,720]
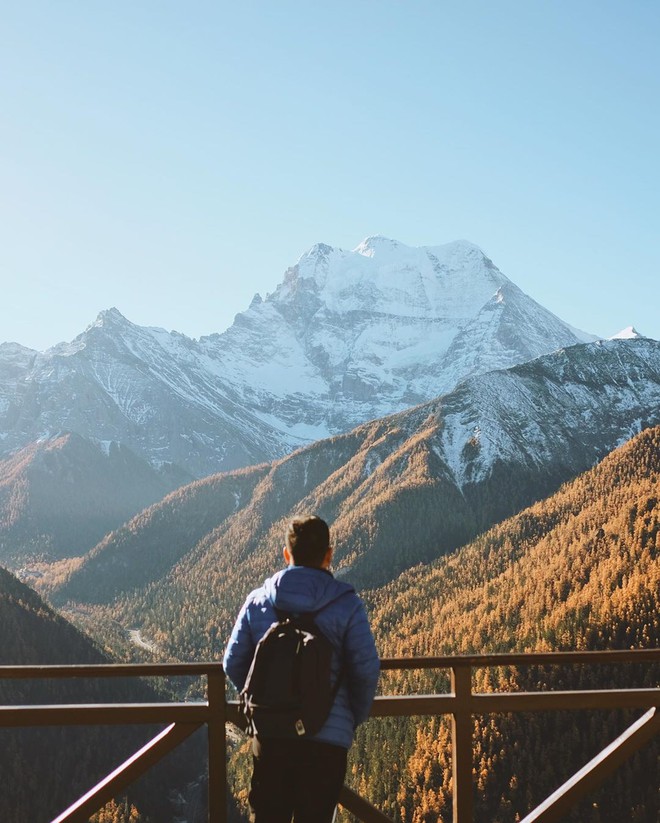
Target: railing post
[461,738]
[217,789]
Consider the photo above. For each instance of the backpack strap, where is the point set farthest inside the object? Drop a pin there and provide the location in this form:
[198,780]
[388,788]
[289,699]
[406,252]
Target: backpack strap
[288,615]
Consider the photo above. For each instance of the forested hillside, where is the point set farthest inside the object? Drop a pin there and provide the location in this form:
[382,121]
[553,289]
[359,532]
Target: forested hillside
[578,571]
[146,548]
[44,770]
[368,485]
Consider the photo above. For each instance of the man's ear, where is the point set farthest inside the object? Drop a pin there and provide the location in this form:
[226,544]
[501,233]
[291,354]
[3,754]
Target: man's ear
[327,560]
[287,556]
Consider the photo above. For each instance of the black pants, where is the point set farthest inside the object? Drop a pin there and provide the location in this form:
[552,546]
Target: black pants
[295,778]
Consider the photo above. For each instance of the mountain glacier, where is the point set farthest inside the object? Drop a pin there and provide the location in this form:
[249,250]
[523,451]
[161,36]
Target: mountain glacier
[346,337]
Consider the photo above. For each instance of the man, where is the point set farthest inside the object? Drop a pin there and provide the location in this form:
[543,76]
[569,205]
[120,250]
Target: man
[302,778]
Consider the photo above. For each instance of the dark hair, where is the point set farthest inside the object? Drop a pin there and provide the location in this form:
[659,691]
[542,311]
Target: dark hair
[308,540]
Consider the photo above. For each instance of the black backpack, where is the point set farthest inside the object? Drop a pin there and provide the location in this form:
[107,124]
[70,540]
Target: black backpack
[288,691]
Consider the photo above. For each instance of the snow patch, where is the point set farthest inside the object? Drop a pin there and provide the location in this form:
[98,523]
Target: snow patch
[629,333]
[303,432]
[105,445]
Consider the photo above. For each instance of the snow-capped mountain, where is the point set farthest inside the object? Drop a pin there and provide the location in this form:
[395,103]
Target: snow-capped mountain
[348,336]
[441,472]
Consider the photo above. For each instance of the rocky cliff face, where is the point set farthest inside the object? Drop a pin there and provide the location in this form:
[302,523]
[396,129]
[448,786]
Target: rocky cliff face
[345,338]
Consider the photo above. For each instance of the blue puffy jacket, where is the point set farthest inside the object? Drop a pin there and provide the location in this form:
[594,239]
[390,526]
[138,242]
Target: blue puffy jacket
[344,622]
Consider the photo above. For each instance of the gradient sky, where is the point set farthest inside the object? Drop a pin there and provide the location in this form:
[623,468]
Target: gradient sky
[171,159]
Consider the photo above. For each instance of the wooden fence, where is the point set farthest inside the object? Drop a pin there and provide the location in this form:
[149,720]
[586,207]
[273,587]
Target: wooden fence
[180,720]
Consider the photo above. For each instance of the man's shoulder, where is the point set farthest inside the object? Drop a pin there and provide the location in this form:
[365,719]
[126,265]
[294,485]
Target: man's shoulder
[258,597]
[344,598]
[340,588]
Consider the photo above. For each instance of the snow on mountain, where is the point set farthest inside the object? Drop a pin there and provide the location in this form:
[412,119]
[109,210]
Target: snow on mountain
[452,467]
[566,409]
[626,334]
[15,362]
[378,329]
[346,337]
[575,404]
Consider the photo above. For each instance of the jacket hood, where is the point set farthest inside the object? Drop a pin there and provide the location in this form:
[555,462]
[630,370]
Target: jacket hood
[303,589]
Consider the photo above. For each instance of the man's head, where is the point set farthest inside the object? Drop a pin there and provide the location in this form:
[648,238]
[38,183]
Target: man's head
[308,542]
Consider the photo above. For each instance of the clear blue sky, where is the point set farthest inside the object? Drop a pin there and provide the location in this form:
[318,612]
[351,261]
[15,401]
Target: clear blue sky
[173,158]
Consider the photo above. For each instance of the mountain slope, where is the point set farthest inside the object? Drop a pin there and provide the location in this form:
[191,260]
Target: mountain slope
[32,633]
[45,769]
[345,338]
[146,548]
[397,491]
[580,570]
[580,558]
[59,496]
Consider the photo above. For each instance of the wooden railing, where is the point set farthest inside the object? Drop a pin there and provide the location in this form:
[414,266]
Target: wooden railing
[182,719]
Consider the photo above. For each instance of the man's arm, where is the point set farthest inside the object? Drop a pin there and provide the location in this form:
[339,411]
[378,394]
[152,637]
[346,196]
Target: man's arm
[363,664]
[240,650]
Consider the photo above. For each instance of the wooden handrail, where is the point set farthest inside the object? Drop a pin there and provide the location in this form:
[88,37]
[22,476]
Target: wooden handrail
[480,661]
[461,703]
[124,775]
[598,768]
[387,663]
[58,671]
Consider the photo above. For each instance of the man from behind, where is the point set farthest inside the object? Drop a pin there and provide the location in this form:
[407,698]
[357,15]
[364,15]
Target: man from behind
[300,777]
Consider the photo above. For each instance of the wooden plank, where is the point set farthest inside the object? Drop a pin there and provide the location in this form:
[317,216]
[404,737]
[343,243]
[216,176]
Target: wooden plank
[555,700]
[103,714]
[592,775]
[404,705]
[217,742]
[401,663]
[427,704]
[461,745]
[408,705]
[522,659]
[499,702]
[361,808]
[124,775]
[110,670]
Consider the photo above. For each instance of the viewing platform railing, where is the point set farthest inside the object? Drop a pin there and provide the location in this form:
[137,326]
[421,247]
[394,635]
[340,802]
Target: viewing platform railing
[461,703]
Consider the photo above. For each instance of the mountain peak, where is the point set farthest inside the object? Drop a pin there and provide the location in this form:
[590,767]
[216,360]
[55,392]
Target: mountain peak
[347,336]
[11,350]
[630,332]
[318,252]
[377,244]
[107,319]
[111,320]
[111,315]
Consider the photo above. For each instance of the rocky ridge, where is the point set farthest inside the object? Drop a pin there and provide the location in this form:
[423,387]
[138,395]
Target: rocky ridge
[347,336]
